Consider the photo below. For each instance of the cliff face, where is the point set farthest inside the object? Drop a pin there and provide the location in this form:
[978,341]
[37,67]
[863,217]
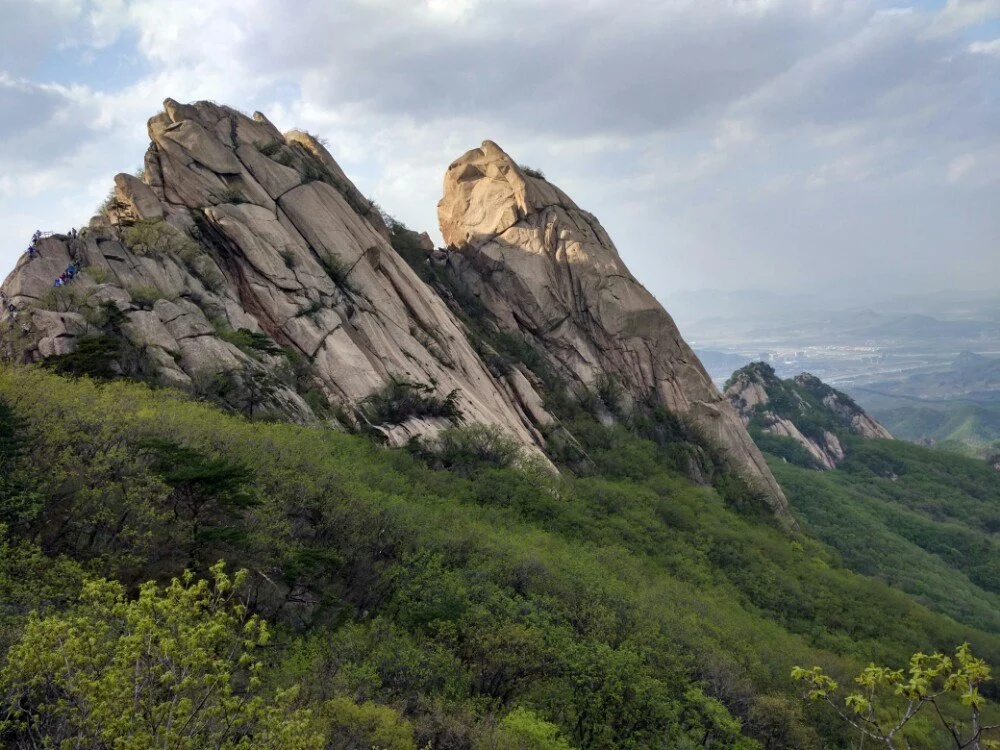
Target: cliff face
[248,253]
[546,269]
[243,265]
[804,409]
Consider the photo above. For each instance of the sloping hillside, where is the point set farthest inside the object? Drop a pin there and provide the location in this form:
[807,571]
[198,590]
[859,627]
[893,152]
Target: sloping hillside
[801,419]
[630,608]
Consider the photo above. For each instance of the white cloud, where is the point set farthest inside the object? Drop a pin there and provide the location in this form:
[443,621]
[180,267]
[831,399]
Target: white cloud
[958,14]
[692,128]
[986,48]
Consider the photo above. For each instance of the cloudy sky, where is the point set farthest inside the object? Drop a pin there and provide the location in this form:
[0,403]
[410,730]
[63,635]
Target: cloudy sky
[792,145]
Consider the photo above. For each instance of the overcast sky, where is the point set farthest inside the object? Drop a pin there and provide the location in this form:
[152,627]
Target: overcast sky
[799,145]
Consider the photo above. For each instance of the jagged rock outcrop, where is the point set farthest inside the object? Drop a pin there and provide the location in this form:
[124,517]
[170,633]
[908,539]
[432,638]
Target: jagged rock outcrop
[546,269]
[247,253]
[244,261]
[805,409]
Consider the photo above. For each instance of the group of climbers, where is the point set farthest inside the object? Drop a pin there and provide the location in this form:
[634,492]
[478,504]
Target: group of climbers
[68,275]
[71,270]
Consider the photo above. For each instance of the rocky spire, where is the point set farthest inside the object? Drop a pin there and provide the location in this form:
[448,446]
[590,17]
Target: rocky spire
[547,269]
[247,253]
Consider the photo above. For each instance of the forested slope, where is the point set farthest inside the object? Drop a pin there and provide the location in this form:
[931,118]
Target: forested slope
[923,520]
[474,602]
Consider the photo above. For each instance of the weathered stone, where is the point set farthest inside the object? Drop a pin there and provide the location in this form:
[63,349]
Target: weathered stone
[183,319]
[138,196]
[143,328]
[544,268]
[275,178]
[306,261]
[199,146]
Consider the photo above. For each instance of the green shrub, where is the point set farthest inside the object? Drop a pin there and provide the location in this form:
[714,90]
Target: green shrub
[106,316]
[96,356]
[401,400]
[311,309]
[522,729]
[155,237]
[176,667]
[65,298]
[99,274]
[110,205]
[611,393]
[469,447]
[288,257]
[784,447]
[531,172]
[312,171]
[144,296]
[249,342]
[366,725]
[337,270]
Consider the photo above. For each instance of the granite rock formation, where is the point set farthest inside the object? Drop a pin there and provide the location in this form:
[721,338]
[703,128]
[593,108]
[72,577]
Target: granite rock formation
[546,269]
[804,409]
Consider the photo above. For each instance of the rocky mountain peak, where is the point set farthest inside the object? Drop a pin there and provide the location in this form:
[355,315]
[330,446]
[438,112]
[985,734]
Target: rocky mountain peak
[243,265]
[804,410]
[244,259]
[547,270]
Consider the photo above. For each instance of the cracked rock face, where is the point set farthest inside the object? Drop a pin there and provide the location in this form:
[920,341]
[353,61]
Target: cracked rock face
[547,269]
[236,226]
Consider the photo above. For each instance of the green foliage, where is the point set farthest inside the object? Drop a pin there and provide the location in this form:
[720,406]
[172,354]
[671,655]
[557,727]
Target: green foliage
[786,448]
[65,298]
[365,725]
[630,608]
[338,271]
[800,401]
[923,520]
[249,342]
[467,448]
[157,237]
[99,274]
[243,391]
[177,667]
[145,296]
[887,701]
[110,205]
[311,309]
[522,729]
[611,393]
[961,427]
[106,355]
[95,356]
[531,172]
[401,400]
[312,171]
[206,494]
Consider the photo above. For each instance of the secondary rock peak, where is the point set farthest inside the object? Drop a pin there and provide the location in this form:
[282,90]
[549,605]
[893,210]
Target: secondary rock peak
[486,192]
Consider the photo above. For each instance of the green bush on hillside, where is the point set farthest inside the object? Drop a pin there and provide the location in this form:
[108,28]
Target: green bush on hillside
[630,608]
[402,399]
